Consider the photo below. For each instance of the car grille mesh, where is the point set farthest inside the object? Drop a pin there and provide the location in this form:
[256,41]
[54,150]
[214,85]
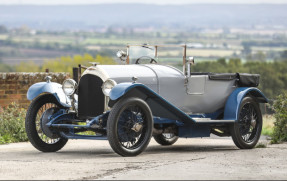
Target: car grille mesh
[91,97]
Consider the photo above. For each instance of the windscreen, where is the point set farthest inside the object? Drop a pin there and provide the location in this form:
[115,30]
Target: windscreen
[165,55]
[142,54]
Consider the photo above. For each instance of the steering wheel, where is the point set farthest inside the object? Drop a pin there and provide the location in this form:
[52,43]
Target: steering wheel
[151,59]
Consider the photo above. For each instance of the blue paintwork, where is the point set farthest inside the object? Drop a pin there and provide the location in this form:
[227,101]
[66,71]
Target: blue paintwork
[233,102]
[159,120]
[95,120]
[187,126]
[49,87]
[78,136]
[123,88]
[213,115]
[194,130]
[58,118]
[186,130]
[54,123]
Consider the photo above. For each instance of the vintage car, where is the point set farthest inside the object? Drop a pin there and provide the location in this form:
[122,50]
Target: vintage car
[144,97]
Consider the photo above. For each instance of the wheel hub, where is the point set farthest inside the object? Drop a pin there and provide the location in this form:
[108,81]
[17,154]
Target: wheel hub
[46,117]
[253,123]
[137,127]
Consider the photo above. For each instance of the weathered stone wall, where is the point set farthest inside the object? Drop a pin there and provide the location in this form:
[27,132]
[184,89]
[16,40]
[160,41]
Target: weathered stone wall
[14,86]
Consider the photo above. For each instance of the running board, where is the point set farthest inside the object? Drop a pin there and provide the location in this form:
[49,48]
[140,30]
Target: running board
[208,120]
[77,136]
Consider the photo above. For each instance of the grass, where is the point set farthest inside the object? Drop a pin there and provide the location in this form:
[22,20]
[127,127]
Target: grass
[12,124]
[268,124]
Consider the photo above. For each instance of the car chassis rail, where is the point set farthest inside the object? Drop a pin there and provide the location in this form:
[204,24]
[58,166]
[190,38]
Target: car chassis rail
[98,124]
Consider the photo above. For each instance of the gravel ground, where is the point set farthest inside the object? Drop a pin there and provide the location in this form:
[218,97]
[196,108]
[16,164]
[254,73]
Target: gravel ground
[211,158]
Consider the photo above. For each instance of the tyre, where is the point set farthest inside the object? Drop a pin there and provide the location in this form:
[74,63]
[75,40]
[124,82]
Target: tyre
[247,130]
[38,109]
[166,139]
[129,126]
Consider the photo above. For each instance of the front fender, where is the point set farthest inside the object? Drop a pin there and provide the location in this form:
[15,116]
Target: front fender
[233,102]
[160,107]
[121,89]
[49,87]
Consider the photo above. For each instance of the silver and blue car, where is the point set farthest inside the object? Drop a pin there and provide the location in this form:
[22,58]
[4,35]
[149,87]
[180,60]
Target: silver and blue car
[144,97]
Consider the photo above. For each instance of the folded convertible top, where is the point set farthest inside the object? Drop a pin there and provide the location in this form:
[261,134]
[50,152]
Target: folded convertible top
[243,79]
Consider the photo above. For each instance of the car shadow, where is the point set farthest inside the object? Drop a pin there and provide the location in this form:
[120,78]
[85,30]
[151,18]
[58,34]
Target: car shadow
[154,149]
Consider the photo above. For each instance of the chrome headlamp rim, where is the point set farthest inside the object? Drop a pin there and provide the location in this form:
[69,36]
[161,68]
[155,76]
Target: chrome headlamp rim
[107,86]
[69,86]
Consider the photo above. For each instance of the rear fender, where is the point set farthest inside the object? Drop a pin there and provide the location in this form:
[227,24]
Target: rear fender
[231,110]
[49,88]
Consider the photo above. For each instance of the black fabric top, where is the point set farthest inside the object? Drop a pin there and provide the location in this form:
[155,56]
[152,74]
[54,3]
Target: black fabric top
[243,79]
[223,76]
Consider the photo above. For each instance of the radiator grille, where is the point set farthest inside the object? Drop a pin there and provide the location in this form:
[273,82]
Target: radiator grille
[91,97]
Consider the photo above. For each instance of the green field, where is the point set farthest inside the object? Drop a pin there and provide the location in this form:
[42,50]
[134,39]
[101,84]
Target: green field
[47,45]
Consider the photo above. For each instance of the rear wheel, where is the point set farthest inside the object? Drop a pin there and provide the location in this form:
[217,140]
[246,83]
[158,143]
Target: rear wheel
[246,131]
[37,116]
[129,126]
[166,139]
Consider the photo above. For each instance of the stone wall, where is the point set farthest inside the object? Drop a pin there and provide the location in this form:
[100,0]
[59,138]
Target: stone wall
[14,86]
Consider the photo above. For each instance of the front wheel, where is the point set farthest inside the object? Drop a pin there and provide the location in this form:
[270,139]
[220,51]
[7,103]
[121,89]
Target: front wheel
[129,126]
[36,118]
[246,131]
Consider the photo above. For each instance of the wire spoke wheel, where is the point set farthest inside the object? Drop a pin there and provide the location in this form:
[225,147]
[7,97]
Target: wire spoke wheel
[165,139]
[246,131]
[168,135]
[132,127]
[129,126]
[38,121]
[38,113]
[248,122]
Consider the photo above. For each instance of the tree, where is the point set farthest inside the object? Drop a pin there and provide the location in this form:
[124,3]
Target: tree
[259,56]
[284,55]
[280,125]
[66,63]
[27,67]
[5,68]
[222,61]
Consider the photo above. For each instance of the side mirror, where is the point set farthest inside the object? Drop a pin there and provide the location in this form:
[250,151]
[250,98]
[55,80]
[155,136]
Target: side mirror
[190,62]
[122,55]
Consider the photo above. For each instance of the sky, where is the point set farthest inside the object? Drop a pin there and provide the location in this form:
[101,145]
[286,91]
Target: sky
[160,2]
